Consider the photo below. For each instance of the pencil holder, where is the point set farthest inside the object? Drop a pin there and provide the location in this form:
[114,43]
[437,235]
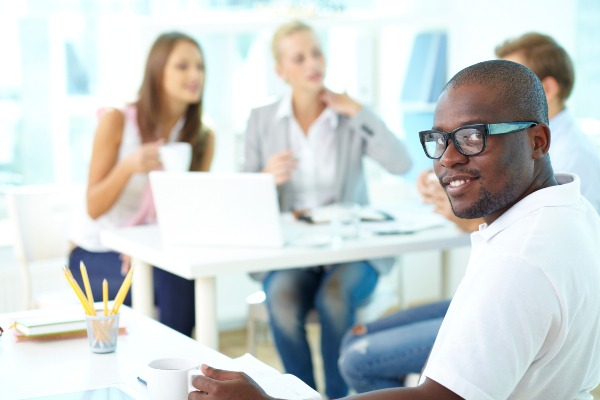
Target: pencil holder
[102,332]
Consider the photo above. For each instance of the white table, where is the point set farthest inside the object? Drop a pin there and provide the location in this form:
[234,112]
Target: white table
[35,369]
[203,264]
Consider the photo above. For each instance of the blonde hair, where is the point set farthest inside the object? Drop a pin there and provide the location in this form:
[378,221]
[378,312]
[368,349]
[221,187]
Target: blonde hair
[284,31]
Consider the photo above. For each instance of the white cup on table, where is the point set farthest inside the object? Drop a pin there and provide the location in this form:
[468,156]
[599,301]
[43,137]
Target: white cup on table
[176,156]
[167,378]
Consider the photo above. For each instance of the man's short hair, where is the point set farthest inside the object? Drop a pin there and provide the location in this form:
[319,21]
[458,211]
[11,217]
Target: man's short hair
[517,87]
[545,57]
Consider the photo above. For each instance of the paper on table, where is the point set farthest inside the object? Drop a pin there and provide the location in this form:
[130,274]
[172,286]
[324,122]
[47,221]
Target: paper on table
[323,215]
[406,223]
[275,384]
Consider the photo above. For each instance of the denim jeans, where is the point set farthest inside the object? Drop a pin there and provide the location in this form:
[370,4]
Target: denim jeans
[392,347]
[335,292]
[174,295]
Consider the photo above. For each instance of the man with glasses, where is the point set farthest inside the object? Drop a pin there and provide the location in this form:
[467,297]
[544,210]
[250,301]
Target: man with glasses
[525,321]
[399,343]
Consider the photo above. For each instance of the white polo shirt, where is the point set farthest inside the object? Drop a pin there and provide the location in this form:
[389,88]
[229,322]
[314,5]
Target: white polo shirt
[525,320]
[313,180]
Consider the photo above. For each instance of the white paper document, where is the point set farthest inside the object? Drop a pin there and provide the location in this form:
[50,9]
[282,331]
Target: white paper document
[274,383]
[406,220]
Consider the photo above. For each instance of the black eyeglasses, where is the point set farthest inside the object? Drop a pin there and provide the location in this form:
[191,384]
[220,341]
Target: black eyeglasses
[469,139]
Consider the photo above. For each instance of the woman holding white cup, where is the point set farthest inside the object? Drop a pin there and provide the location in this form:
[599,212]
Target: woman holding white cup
[127,145]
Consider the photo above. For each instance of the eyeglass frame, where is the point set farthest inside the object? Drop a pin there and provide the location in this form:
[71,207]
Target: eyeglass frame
[489,129]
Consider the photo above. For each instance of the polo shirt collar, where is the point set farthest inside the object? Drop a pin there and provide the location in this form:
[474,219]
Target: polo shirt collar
[566,192]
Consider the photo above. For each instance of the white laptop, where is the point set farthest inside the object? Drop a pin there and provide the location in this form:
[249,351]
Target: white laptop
[217,209]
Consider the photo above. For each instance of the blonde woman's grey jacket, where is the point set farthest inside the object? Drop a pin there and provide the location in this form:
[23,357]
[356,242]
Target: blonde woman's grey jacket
[363,134]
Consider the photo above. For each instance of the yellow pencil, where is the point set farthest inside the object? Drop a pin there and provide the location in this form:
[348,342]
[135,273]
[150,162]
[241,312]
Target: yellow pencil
[122,293]
[78,292]
[120,298]
[86,283]
[105,296]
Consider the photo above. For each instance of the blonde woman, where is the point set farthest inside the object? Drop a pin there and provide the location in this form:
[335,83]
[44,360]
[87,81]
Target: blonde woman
[313,142]
[126,143]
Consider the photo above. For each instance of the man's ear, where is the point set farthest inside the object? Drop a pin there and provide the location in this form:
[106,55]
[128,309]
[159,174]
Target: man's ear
[540,139]
[551,88]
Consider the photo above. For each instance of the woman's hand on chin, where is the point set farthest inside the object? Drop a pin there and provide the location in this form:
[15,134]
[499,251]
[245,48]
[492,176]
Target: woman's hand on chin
[340,103]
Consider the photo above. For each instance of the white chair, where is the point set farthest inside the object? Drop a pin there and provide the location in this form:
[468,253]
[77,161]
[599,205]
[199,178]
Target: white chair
[382,299]
[40,217]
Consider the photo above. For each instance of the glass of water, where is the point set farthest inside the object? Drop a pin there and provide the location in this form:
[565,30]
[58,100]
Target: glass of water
[345,222]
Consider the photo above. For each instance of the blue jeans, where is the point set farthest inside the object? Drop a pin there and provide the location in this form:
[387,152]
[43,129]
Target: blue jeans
[173,294]
[335,292]
[392,347]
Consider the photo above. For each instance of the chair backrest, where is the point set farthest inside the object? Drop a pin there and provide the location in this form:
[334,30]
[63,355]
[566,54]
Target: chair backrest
[40,217]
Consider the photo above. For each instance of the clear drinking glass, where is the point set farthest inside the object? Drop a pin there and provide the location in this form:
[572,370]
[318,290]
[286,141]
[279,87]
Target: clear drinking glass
[345,222]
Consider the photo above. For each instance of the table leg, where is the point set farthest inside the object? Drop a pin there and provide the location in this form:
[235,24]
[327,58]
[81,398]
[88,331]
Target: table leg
[207,331]
[142,290]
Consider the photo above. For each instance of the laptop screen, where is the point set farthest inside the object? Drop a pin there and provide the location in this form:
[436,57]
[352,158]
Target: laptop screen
[213,209]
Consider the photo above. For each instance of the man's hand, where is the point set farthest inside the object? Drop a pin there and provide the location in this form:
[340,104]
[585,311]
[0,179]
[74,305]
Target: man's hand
[433,193]
[217,384]
[281,165]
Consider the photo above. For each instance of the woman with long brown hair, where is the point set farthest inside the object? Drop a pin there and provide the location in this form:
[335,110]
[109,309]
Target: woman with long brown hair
[126,147]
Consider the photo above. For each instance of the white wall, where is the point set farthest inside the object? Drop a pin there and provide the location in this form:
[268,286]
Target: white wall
[476,27]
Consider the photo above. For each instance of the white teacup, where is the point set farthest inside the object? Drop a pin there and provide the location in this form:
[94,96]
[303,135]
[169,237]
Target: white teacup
[168,378]
[176,156]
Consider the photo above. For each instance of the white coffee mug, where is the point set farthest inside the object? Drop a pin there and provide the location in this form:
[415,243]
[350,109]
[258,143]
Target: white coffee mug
[176,156]
[167,378]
